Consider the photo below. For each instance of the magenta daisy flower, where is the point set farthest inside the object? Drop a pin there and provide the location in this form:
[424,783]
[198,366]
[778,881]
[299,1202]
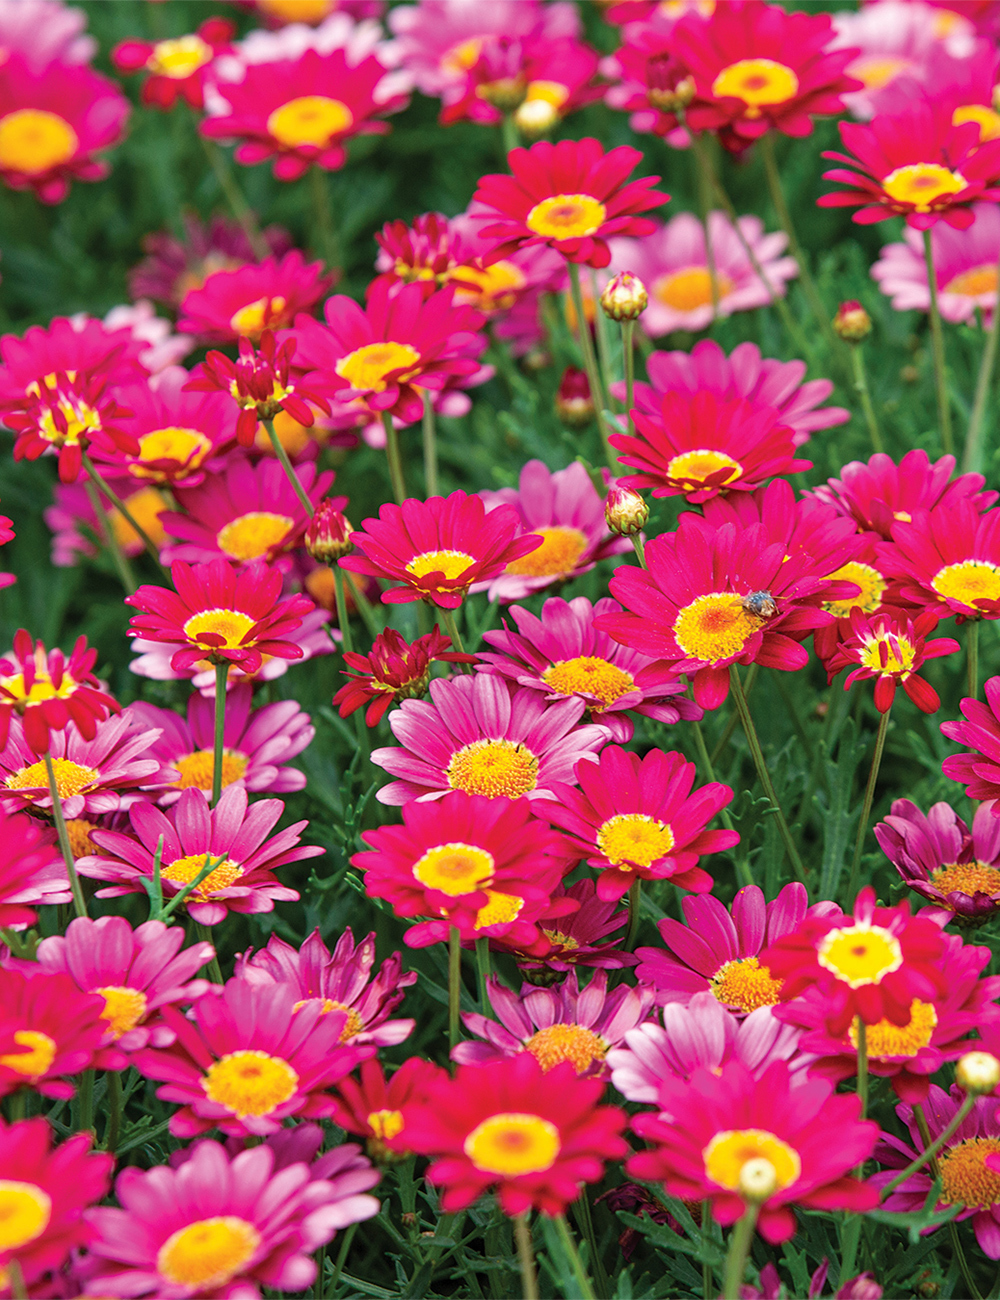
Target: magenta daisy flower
[244,301]
[372,1106]
[939,857]
[248,1058]
[480,735]
[556,1024]
[947,560]
[891,646]
[339,981]
[636,819]
[66,345]
[31,871]
[193,834]
[580,939]
[178,66]
[221,1225]
[49,689]
[566,511]
[257,743]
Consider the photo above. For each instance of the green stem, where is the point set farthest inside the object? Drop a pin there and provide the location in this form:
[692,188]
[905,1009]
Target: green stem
[124,511]
[703,183]
[866,807]
[526,1257]
[740,1241]
[324,217]
[861,384]
[221,677]
[430,447]
[454,986]
[956,1241]
[861,1033]
[510,136]
[242,211]
[214,969]
[931,1150]
[590,363]
[734,718]
[708,771]
[451,626]
[338,1268]
[17,1105]
[114,1128]
[639,546]
[394,458]
[585,1222]
[634,898]
[628,357]
[569,1245]
[849,1239]
[294,482]
[765,776]
[85,1102]
[109,540]
[18,1289]
[343,618]
[708,1291]
[972,457]
[603,344]
[937,346]
[484,966]
[972,653]
[79,904]
[363,605]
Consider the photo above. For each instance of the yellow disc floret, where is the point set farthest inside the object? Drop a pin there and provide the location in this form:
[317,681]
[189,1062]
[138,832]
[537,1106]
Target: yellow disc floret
[495,768]
[860,954]
[566,216]
[561,1042]
[589,675]
[231,625]
[71,778]
[513,1143]
[450,564]
[968,581]
[255,317]
[208,1253]
[690,288]
[25,1212]
[558,554]
[975,283]
[714,627]
[250,1083]
[871,583]
[33,141]
[368,367]
[634,839]
[967,878]
[965,1177]
[124,1007]
[455,868]
[760,83]
[179,58]
[886,1039]
[196,769]
[693,469]
[187,447]
[183,870]
[309,120]
[254,534]
[746,984]
[37,1054]
[500,909]
[921,184]
[731,1149]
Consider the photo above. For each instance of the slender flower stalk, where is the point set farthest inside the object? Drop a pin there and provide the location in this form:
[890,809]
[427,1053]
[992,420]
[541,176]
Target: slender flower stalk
[972,655]
[590,362]
[241,210]
[740,1241]
[526,1256]
[430,448]
[861,1032]
[124,511]
[221,678]
[510,136]
[937,346]
[704,180]
[293,479]
[956,1241]
[323,215]
[866,807]
[451,627]
[62,834]
[628,355]
[864,393]
[394,458]
[454,986]
[603,343]
[484,969]
[109,539]
[932,1148]
[634,900]
[972,457]
[569,1245]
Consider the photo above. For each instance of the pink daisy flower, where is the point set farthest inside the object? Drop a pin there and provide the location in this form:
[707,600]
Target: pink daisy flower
[555,1024]
[247,1059]
[954,867]
[562,654]
[947,560]
[257,743]
[564,509]
[580,939]
[31,871]
[223,1225]
[891,647]
[49,689]
[964,268]
[636,819]
[673,264]
[652,83]
[244,301]
[82,345]
[46,31]
[192,834]
[482,736]
[339,981]
[372,1106]
[178,67]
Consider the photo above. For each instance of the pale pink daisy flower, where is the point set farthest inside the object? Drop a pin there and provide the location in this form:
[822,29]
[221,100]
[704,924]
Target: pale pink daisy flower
[159,348]
[44,32]
[480,735]
[673,265]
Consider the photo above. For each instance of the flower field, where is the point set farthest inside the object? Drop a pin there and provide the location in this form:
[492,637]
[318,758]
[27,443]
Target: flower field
[499,649]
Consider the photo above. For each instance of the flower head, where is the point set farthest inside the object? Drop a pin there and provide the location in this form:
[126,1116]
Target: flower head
[328,536]
[31,871]
[67,414]
[393,671]
[177,66]
[45,32]
[81,345]
[947,560]
[653,83]
[575,940]
[242,302]
[964,268]
[48,689]
[372,1106]
[892,647]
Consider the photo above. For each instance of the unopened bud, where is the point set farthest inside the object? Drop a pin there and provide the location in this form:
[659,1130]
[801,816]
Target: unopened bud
[927,1285]
[625,511]
[574,405]
[535,117]
[852,323]
[758,1180]
[669,101]
[996,98]
[506,94]
[670,85]
[977,1073]
[624,297]
[862,1287]
[328,536]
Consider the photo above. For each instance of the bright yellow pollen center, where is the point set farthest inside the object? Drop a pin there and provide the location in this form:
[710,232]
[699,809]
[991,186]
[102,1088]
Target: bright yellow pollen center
[367,367]
[973,284]
[249,1082]
[309,120]
[967,877]
[634,840]
[690,289]
[967,581]
[886,1039]
[463,56]
[183,870]
[558,554]
[589,675]
[868,599]
[80,842]
[385,1124]
[35,1060]
[455,869]
[714,626]
[731,1149]
[877,73]
[758,82]
[257,316]
[922,184]
[353,1025]
[81,421]
[71,777]
[512,1144]
[145,507]
[254,534]
[208,1253]
[566,216]
[179,58]
[493,288]
[860,954]
[197,768]
[746,984]
[965,1178]
[41,688]
[693,468]
[501,909]
[493,768]
[986,119]
[452,564]
[33,140]
[573,1043]
[560,940]
[298,11]
[123,1007]
[231,625]
[900,654]
[25,1211]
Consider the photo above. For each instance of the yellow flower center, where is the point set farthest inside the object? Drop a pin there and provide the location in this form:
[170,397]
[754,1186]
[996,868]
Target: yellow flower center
[589,675]
[877,72]
[965,1178]
[693,468]
[71,777]
[463,56]
[455,868]
[746,984]
[309,120]
[38,1055]
[972,284]
[367,367]
[758,82]
[353,1025]
[566,216]
[231,625]
[179,58]
[868,599]
[558,554]
[860,954]
[255,317]
[249,1082]
[41,688]
[967,581]
[33,140]
[493,768]
[452,564]
[900,654]
[494,288]
[254,534]
[573,1043]
[81,421]
[183,870]
[689,289]
[922,183]
[633,839]
[714,626]
[298,11]
[501,909]
[187,447]
[887,1039]
[208,1253]
[987,120]
[25,1211]
[968,877]
[558,939]
[145,507]
[123,1007]
[80,842]
[197,768]
[513,1143]
[730,1149]
[385,1124]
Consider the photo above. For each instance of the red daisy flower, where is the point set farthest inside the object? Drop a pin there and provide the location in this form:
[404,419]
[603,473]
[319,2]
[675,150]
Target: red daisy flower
[758,68]
[66,413]
[700,445]
[49,689]
[891,647]
[178,66]
[393,671]
[871,964]
[915,163]
[438,547]
[712,1126]
[534,1137]
[372,1106]
[947,560]
[636,819]
[220,614]
[63,347]
[979,771]
[244,301]
[571,196]
[577,938]
[654,83]
[31,870]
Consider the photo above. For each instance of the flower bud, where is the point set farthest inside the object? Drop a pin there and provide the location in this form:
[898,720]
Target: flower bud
[852,323]
[536,117]
[624,297]
[862,1287]
[328,536]
[670,85]
[506,93]
[996,98]
[758,1180]
[625,511]
[574,405]
[977,1073]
